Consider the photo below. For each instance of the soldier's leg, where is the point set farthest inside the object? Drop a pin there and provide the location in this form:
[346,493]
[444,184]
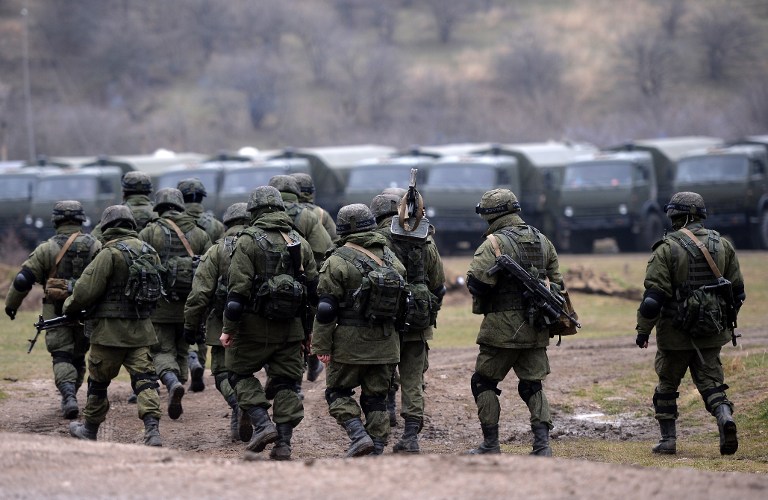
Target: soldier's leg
[340,380]
[373,402]
[286,369]
[181,352]
[707,374]
[413,359]
[60,343]
[394,386]
[531,368]
[164,352]
[103,365]
[138,363]
[491,366]
[670,368]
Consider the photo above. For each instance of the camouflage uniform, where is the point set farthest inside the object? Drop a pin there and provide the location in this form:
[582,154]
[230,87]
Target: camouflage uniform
[362,353]
[206,301]
[423,266]
[137,186]
[307,199]
[507,338]
[67,345]
[170,353]
[676,267]
[121,332]
[258,337]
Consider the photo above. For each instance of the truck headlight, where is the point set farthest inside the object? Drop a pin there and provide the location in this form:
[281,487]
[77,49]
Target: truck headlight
[623,209]
[430,212]
[28,220]
[39,223]
[568,212]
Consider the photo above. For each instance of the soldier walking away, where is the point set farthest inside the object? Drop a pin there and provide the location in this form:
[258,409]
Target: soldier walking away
[56,264]
[119,289]
[272,278]
[693,292]
[193,191]
[137,186]
[307,199]
[426,288]
[361,292]
[179,241]
[514,333]
[205,304]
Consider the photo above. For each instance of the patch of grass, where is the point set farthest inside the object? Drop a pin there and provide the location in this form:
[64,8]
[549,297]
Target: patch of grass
[16,363]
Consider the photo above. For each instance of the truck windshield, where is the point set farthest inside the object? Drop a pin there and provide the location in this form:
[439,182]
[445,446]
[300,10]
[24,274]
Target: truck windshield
[379,177]
[247,179]
[74,187]
[712,168]
[597,175]
[461,176]
[171,179]
[16,188]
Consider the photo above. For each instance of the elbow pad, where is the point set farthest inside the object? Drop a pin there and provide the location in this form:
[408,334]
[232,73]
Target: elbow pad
[24,281]
[440,292]
[312,292]
[477,287]
[650,307]
[235,307]
[327,309]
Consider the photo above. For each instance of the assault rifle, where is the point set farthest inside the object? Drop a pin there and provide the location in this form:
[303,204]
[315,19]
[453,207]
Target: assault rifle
[539,296]
[47,324]
[410,222]
[307,317]
[724,289]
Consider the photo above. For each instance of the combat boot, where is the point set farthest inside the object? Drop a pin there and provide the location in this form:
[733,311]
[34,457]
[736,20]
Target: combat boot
[152,431]
[667,445]
[85,430]
[361,443]
[196,372]
[282,448]
[264,431]
[244,427]
[378,446]
[392,407]
[490,442]
[314,368]
[234,419]
[727,427]
[69,407]
[409,442]
[175,393]
[541,440]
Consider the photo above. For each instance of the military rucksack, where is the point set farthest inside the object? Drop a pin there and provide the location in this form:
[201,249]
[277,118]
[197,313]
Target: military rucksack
[145,281]
[381,294]
[179,262]
[75,253]
[421,305]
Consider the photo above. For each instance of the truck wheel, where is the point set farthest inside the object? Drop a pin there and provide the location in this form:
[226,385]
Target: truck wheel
[650,233]
[760,235]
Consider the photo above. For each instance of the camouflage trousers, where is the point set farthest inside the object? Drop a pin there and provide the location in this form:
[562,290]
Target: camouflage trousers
[68,347]
[341,379]
[171,351]
[286,367]
[219,371]
[413,364]
[104,364]
[531,367]
[706,373]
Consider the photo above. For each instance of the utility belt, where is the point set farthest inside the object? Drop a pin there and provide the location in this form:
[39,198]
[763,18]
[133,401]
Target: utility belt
[349,317]
[504,301]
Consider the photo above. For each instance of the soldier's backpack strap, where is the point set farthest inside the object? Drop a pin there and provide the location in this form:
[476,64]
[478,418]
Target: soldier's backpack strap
[367,252]
[63,251]
[181,236]
[495,244]
[704,252]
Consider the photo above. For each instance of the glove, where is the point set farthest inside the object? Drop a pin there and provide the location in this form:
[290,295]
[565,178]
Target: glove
[75,315]
[190,336]
[11,312]
[642,340]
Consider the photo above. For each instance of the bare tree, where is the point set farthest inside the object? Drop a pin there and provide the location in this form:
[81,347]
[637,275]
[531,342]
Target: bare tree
[672,12]
[320,37]
[726,35]
[755,98]
[649,59]
[448,14]
[530,68]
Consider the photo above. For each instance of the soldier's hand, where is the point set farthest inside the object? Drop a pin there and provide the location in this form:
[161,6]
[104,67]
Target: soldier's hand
[642,340]
[324,358]
[190,336]
[11,312]
[225,339]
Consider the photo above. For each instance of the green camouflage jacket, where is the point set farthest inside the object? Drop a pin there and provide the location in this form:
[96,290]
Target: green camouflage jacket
[212,226]
[309,226]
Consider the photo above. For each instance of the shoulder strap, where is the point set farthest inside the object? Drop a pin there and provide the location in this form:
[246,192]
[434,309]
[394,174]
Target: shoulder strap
[365,251]
[181,236]
[704,251]
[495,244]
[61,253]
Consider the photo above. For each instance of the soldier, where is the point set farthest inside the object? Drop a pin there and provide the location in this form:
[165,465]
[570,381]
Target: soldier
[426,281]
[56,264]
[208,296]
[193,191]
[179,241]
[691,324]
[512,334]
[361,290]
[121,331]
[137,186]
[307,199]
[271,278]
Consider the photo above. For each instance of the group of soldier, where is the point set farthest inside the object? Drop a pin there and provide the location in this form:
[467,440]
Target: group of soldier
[279,286]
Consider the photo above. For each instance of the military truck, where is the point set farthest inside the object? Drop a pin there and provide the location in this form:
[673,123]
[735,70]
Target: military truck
[210,174]
[732,180]
[17,184]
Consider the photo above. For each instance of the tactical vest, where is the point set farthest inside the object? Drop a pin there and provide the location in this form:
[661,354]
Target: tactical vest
[224,248]
[508,293]
[118,302]
[179,265]
[76,258]
[421,305]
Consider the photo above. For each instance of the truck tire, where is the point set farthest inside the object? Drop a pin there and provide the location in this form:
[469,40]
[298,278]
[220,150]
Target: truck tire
[760,233]
[651,232]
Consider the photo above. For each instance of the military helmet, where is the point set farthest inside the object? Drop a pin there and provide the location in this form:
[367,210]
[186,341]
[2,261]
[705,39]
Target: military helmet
[265,196]
[399,192]
[385,204]
[68,210]
[686,203]
[169,196]
[117,213]
[234,212]
[497,202]
[354,218]
[306,184]
[191,186]
[136,181]
[285,184]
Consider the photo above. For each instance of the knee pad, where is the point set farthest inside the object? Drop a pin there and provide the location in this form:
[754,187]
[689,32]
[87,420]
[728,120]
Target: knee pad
[97,389]
[480,384]
[62,357]
[711,403]
[665,402]
[235,378]
[528,388]
[373,403]
[143,381]
[277,384]
[219,379]
[334,393]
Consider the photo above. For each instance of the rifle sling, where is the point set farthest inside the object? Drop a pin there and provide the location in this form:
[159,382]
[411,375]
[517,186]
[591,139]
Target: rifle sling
[61,253]
[704,251]
[365,251]
[181,236]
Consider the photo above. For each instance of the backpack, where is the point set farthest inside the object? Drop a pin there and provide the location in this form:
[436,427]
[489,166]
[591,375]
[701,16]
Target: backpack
[380,296]
[703,313]
[421,306]
[180,263]
[145,278]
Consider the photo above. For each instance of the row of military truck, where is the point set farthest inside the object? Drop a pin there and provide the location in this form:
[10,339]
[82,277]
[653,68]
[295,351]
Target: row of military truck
[576,193]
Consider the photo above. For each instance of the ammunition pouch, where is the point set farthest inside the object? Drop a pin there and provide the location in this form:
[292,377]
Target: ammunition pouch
[58,289]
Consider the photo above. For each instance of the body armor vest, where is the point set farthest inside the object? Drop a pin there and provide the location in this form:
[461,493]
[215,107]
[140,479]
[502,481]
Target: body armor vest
[699,272]
[76,258]
[117,303]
